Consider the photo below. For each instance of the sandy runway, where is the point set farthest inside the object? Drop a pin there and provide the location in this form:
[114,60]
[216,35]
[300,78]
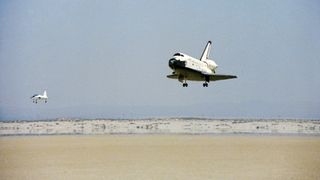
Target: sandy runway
[159,157]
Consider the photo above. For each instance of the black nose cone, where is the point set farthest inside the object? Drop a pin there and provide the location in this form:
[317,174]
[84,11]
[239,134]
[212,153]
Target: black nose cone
[171,63]
[174,63]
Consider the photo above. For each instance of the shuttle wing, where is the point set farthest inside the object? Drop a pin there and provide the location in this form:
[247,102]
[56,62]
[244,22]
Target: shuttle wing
[173,76]
[216,77]
[201,77]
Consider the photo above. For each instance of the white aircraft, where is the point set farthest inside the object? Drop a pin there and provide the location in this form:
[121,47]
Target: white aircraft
[40,97]
[188,68]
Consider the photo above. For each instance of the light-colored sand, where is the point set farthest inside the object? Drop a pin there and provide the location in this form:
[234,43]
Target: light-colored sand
[162,126]
[159,157]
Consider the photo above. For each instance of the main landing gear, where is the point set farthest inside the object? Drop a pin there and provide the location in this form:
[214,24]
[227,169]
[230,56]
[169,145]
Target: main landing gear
[207,79]
[186,84]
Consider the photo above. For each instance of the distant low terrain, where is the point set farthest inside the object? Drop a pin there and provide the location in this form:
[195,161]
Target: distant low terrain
[161,126]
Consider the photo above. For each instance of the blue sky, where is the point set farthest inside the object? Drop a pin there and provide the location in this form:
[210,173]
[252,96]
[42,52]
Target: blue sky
[110,58]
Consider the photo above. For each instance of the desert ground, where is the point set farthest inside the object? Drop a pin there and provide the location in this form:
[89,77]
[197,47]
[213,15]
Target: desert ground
[160,157]
[161,126]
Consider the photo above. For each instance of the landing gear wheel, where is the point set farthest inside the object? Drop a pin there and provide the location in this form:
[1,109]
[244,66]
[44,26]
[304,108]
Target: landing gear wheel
[185,84]
[205,84]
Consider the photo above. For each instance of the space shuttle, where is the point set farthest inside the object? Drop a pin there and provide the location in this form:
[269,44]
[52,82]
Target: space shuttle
[186,68]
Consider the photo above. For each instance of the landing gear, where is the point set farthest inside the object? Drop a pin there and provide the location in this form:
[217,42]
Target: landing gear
[207,79]
[184,84]
[45,101]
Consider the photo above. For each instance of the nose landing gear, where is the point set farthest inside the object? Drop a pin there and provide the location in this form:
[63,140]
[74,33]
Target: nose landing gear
[184,81]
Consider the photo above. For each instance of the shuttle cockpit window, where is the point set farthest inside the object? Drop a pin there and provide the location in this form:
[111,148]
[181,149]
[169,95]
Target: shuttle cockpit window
[178,54]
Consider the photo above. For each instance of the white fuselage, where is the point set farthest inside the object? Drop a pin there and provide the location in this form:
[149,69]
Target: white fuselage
[205,66]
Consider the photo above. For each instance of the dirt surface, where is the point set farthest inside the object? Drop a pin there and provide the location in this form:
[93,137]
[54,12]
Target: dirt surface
[159,157]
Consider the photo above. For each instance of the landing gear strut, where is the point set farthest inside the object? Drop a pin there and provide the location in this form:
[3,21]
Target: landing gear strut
[207,79]
[184,84]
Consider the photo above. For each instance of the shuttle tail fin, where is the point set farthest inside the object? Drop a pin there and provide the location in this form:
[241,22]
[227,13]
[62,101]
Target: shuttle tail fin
[45,93]
[206,52]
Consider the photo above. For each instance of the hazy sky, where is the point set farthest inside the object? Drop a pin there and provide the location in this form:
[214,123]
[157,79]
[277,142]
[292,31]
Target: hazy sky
[110,58]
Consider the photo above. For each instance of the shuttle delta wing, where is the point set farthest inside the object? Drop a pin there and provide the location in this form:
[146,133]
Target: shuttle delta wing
[217,77]
[172,76]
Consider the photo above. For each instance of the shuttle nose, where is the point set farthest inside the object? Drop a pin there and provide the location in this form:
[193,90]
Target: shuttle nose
[174,63]
[171,63]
